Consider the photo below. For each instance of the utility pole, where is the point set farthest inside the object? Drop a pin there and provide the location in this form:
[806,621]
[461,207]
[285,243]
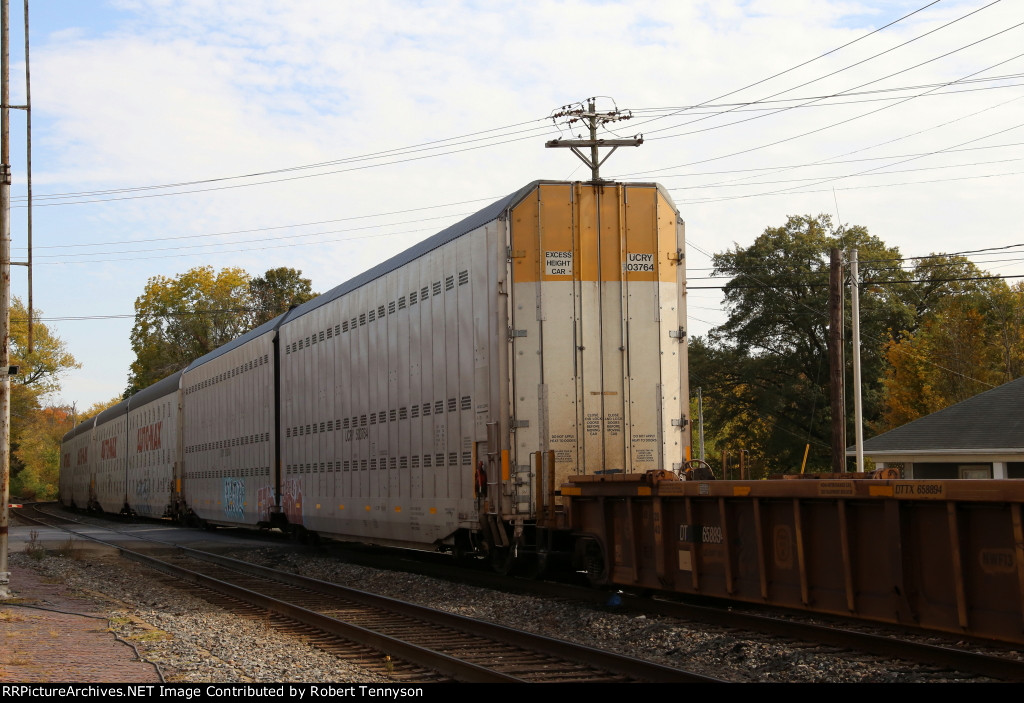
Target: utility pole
[5,295]
[28,176]
[835,361]
[700,422]
[858,409]
[593,118]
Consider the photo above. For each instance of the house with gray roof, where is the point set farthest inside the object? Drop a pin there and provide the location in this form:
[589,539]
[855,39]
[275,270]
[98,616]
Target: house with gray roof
[981,437]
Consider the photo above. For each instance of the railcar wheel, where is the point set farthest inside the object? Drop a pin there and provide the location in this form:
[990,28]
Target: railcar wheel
[591,561]
[530,566]
[464,551]
[502,559]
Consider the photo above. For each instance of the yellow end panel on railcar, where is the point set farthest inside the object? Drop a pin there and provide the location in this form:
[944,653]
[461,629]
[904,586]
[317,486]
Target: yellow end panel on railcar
[597,330]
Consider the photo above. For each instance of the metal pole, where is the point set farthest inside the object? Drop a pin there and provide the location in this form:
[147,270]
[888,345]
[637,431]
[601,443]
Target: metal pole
[5,296]
[700,422]
[28,176]
[835,353]
[595,166]
[858,410]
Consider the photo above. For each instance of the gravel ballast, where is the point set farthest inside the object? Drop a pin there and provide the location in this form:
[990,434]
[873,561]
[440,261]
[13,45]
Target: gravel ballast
[192,640]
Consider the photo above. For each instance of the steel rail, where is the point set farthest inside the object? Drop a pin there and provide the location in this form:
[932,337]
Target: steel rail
[727,615]
[415,654]
[624,666]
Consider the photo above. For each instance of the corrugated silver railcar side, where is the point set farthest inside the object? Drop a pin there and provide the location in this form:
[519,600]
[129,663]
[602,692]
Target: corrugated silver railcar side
[152,451]
[389,383]
[108,481]
[228,438]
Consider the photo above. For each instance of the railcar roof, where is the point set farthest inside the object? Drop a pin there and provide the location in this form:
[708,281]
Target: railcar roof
[157,390]
[111,413]
[268,326]
[478,219]
[83,426]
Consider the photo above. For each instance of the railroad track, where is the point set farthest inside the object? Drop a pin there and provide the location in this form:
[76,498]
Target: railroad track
[834,636]
[415,643]
[852,637]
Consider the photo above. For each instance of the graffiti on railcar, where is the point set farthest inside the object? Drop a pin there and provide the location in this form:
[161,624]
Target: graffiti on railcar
[264,502]
[291,500]
[234,498]
[144,488]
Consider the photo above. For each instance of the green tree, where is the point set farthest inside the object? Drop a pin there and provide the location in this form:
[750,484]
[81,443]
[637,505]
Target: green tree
[769,359]
[731,420]
[179,319]
[277,291]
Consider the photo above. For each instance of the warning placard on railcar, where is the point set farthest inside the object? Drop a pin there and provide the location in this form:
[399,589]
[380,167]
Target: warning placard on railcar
[558,263]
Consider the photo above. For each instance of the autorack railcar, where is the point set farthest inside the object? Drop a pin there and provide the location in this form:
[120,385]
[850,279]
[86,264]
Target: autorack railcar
[74,465]
[152,448]
[438,399]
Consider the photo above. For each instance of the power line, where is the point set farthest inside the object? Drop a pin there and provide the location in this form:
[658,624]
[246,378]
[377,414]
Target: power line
[789,191]
[870,172]
[445,143]
[841,122]
[873,283]
[277,227]
[148,242]
[833,159]
[282,180]
[805,63]
[745,106]
[266,239]
[827,75]
[363,157]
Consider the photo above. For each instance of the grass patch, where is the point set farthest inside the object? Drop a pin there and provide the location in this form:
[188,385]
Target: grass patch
[70,549]
[33,547]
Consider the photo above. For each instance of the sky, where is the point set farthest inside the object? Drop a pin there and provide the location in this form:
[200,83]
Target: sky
[327,135]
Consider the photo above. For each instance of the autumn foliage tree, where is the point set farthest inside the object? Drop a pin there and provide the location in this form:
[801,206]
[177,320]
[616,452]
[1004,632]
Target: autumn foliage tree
[968,342]
[38,452]
[36,429]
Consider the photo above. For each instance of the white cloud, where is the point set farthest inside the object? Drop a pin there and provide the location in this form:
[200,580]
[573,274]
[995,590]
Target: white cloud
[197,89]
